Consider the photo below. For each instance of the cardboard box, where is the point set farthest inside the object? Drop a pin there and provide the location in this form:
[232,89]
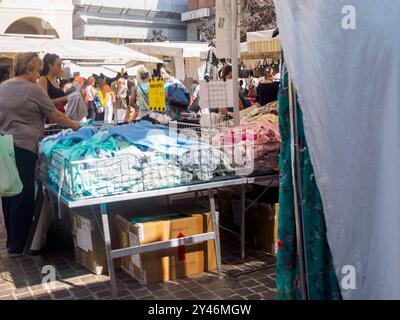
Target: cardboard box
[225,197]
[88,241]
[167,264]
[261,226]
[87,232]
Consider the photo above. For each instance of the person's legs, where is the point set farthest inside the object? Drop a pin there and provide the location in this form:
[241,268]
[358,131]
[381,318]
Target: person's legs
[99,116]
[21,207]
[91,111]
[4,205]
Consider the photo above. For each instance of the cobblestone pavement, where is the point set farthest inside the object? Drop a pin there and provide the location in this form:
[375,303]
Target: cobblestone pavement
[21,277]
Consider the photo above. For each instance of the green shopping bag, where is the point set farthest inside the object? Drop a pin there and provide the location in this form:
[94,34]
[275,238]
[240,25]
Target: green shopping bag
[10,183]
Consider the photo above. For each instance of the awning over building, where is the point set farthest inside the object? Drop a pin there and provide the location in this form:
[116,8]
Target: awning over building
[74,49]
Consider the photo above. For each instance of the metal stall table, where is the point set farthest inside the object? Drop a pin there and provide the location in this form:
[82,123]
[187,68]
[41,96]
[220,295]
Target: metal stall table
[114,254]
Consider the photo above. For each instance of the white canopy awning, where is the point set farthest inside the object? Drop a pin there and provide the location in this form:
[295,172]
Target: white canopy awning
[171,49]
[261,42]
[73,49]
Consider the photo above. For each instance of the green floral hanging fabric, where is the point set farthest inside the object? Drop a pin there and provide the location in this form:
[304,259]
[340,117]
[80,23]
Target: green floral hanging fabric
[322,279]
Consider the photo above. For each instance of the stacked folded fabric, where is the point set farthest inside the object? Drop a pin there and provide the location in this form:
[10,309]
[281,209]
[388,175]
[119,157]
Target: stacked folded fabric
[253,146]
[95,162]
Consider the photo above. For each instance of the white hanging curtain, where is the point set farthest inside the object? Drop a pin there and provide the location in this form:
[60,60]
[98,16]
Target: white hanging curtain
[223,29]
[348,83]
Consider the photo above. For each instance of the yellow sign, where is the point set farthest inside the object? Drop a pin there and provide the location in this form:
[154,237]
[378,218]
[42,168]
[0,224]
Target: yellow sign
[156,95]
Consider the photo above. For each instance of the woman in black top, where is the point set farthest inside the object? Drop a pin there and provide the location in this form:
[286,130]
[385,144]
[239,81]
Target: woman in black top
[267,90]
[48,81]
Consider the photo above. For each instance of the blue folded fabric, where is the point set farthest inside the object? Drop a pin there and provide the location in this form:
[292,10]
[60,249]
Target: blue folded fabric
[134,132]
[67,140]
[84,133]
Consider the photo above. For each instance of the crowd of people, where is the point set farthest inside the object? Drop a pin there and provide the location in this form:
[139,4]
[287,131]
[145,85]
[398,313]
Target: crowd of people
[36,96]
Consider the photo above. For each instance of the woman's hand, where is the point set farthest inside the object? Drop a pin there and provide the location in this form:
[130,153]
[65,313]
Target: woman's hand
[63,121]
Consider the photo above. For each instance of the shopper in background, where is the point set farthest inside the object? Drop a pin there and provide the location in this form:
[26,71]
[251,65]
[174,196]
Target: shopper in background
[84,93]
[242,87]
[177,96]
[79,80]
[52,69]
[195,97]
[139,101]
[23,110]
[109,100]
[99,99]
[121,92]
[131,85]
[91,94]
[267,90]
[227,74]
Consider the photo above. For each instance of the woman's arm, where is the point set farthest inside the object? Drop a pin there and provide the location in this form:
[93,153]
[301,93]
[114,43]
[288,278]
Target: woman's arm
[62,100]
[63,121]
[192,99]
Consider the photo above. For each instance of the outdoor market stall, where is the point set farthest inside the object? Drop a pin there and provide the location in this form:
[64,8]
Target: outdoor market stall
[131,162]
[99,166]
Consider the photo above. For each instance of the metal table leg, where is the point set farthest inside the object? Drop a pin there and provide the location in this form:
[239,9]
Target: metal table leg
[215,222]
[107,240]
[243,221]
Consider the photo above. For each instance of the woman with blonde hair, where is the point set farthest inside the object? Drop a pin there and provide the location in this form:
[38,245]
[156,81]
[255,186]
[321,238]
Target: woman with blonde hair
[109,100]
[24,106]
[120,99]
[139,101]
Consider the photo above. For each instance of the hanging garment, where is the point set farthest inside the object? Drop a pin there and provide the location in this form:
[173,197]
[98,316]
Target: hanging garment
[352,127]
[322,279]
[223,29]
[76,108]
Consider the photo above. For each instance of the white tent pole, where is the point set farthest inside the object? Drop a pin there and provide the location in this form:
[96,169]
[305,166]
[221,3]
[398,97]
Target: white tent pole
[235,67]
[297,192]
